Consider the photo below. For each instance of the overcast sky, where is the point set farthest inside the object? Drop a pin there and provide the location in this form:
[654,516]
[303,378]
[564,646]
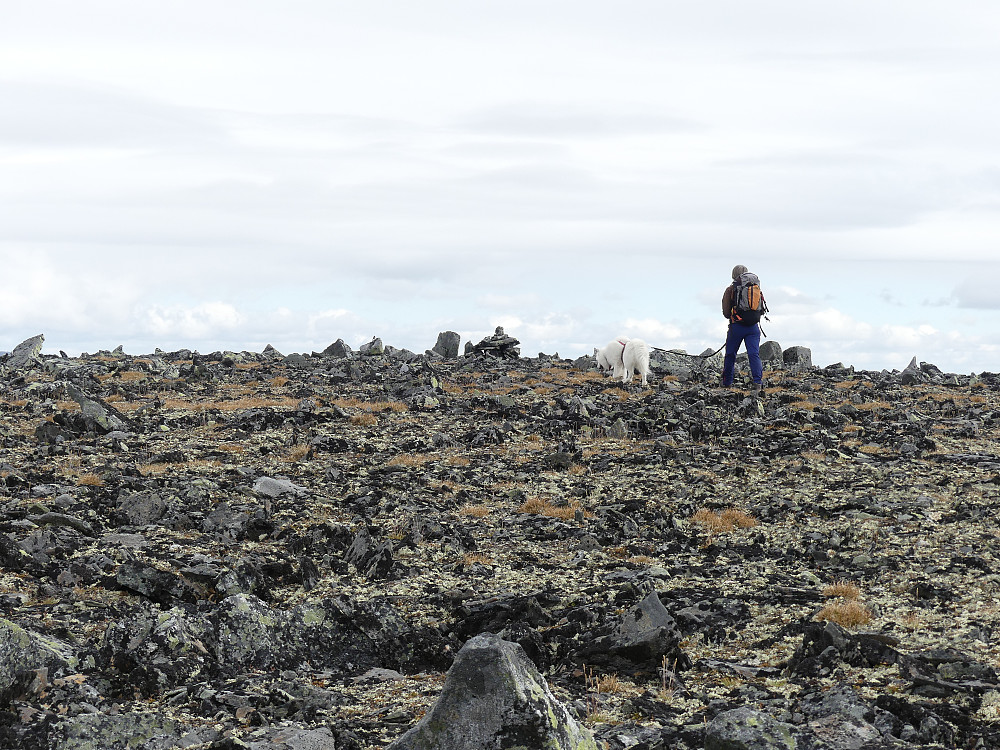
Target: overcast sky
[221,175]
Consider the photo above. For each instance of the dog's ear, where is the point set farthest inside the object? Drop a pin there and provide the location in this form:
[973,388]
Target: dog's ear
[595,351]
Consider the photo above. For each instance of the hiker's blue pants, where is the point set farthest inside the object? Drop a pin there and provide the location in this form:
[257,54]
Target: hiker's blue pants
[740,334]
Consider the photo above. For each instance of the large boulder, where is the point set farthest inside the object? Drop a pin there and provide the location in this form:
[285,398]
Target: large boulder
[22,650]
[128,730]
[494,697]
[648,633]
[746,728]
[677,362]
[374,348]
[797,356]
[336,634]
[771,354]
[447,344]
[913,374]
[25,354]
[99,416]
[338,349]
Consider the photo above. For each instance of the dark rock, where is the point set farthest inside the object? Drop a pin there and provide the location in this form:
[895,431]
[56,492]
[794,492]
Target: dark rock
[495,697]
[499,345]
[25,355]
[447,344]
[770,353]
[22,650]
[797,356]
[746,728]
[338,349]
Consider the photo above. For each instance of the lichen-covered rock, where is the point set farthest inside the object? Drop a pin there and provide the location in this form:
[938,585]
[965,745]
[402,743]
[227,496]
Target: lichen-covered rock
[335,634]
[155,650]
[127,731]
[291,738]
[797,356]
[494,697]
[648,632]
[447,344]
[99,416]
[745,728]
[21,650]
[770,353]
[25,354]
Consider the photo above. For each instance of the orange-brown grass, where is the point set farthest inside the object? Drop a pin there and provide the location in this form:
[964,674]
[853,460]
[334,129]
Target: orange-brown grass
[642,560]
[607,683]
[847,614]
[843,589]
[539,506]
[729,519]
[474,511]
[297,452]
[458,460]
[90,480]
[372,406]
[813,456]
[472,558]
[227,405]
[162,468]
[279,381]
[410,459]
[364,420]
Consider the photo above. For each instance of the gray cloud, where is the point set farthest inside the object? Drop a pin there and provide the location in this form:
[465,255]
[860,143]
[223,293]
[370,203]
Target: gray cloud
[57,115]
[978,293]
[546,120]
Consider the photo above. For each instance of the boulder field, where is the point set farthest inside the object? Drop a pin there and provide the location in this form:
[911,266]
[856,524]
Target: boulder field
[377,548]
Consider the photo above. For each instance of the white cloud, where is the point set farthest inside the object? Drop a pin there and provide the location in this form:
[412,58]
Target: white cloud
[651,331]
[208,320]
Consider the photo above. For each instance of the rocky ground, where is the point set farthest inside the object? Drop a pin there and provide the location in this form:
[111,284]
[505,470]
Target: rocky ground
[257,550]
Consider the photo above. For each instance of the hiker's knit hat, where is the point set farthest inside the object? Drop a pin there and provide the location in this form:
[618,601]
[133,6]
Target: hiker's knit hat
[738,271]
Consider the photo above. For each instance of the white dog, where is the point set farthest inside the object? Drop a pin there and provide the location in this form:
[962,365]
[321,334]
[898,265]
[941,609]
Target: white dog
[612,357]
[635,359]
[624,357]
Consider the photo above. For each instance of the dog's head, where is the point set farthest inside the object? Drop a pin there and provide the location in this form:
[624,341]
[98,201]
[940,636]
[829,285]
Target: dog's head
[602,361]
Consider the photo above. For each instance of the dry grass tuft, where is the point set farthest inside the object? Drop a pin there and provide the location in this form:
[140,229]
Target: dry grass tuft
[298,452]
[729,519]
[410,460]
[474,558]
[474,511]
[365,420]
[157,469]
[846,614]
[90,480]
[844,589]
[539,506]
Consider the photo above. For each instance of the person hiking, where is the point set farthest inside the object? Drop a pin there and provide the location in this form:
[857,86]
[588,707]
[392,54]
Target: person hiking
[742,306]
